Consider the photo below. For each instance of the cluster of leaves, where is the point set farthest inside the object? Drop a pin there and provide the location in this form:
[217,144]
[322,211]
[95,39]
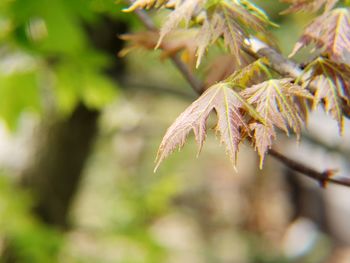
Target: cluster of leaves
[252,113]
[250,101]
[328,74]
[211,21]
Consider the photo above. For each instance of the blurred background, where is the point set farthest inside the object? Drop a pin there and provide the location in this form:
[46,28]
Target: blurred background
[79,132]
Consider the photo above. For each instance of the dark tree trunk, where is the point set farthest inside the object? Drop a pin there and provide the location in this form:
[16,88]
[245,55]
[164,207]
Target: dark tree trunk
[61,155]
[65,145]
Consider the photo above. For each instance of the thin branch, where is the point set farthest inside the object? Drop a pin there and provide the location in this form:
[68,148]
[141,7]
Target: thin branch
[284,67]
[322,177]
[281,65]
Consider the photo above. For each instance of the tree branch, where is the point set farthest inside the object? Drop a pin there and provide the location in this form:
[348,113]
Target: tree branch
[322,177]
[284,67]
[278,63]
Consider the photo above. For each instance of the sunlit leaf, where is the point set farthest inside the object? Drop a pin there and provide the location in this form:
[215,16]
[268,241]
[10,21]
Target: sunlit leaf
[227,104]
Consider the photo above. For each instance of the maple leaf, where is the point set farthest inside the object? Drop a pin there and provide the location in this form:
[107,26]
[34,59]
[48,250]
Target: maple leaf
[332,83]
[330,32]
[309,5]
[275,101]
[228,105]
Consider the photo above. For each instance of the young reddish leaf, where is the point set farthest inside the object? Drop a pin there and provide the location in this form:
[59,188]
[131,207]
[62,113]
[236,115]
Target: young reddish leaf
[274,100]
[332,82]
[147,40]
[227,104]
[309,5]
[330,32]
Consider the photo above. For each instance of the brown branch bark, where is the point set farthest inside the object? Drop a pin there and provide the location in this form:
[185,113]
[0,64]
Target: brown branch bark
[281,65]
[322,177]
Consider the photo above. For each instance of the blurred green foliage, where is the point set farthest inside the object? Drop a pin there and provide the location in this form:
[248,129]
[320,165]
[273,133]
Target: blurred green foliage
[47,59]
[32,241]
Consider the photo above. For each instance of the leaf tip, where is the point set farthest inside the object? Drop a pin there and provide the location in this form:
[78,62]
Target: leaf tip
[155,169]
[129,9]
[158,162]
[295,50]
[261,163]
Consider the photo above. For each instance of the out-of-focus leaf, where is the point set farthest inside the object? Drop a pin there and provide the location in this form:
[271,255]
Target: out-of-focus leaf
[79,79]
[48,26]
[19,92]
[179,40]
[98,91]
